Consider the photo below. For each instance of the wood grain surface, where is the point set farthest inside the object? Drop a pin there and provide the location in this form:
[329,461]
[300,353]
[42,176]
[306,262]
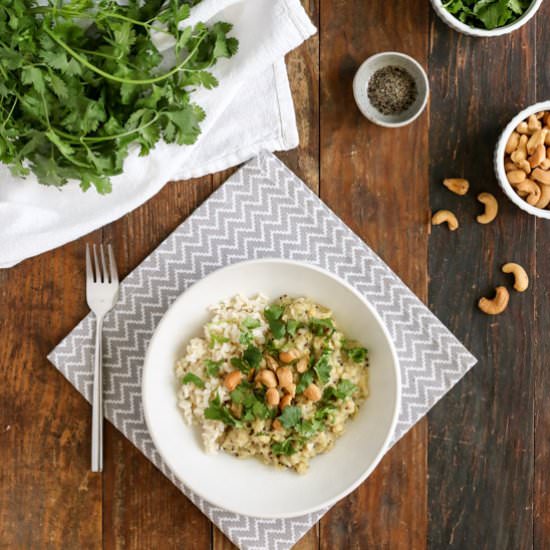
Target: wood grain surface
[476,473]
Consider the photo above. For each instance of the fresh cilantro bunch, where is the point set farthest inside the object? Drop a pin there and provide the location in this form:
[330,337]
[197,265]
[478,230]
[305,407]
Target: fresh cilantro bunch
[488,14]
[81,81]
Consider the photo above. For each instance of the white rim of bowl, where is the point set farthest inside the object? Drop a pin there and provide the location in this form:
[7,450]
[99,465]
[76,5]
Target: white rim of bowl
[499,160]
[457,25]
[395,414]
[424,100]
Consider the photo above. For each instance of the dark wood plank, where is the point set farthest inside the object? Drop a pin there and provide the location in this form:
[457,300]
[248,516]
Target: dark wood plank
[49,498]
[143,509]
[481,434]
[375,179]
[541,343]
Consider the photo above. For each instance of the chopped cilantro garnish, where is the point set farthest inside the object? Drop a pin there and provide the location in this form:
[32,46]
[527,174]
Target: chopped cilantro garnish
[308,428]
[213,367]
[343,389]
[273,315]
[251,323]
[216,411]
[357,355]
[321,327]
[290,417]
[246,338]
[322,368]
[284,447]
[292,326]
[252,402]
[305,380]
[252,355]
[193,379]
[217,339]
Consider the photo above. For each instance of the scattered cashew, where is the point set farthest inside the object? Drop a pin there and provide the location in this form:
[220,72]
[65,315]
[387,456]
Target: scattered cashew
[522,128]
[535,140]
[442,216]
[491,208]
[512,143]
[277,425]
[272,397]
[302,364]
[521,152]
[538,156]
[459,186]
[531,189]
[516,176]
[271,363]
[521,279]
[524,166]
[545,164]
[533,123]
[284,374]
[288,356]
[291,389]
[544,200]
[541,176]
[285,401]
[313,393]
[233,379]
[267,378]
[496,305]
[509,166]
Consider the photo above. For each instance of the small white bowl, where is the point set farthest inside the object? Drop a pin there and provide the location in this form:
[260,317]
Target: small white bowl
[499,160]
[457,25]
[379,61]
[248,486]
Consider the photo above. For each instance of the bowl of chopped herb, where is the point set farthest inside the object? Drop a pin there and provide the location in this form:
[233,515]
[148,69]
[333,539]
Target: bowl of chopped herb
[391,89]
[484,18]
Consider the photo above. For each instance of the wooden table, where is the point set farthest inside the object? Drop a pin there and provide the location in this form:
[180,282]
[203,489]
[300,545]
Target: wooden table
[476,473]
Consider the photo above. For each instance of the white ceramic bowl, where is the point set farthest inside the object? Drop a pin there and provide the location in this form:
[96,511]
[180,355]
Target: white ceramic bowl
[248,486]
[499,160]
[457,25]
[379,61]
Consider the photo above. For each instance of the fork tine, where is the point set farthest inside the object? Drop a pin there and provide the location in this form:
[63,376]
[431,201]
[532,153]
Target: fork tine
[89,272]
[112,264]
[103,264]
[97,270]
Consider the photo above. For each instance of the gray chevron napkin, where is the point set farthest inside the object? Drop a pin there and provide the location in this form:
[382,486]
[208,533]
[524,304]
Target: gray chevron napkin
[263,210]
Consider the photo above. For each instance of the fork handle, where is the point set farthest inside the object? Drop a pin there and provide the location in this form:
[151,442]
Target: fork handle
[97,402]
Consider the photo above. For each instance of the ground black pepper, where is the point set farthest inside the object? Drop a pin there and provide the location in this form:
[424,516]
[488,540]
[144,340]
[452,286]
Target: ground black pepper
[392,90]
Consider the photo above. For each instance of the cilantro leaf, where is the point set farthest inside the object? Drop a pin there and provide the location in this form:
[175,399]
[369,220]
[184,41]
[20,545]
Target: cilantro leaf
[321,327]
[285,447]
[292,326]
[213,367]
[305,380]
[217,339]
[252,355]
[357,355]
[290,416]
[191,378]
[216,411]
[251,323]
[273,314]
[322,368]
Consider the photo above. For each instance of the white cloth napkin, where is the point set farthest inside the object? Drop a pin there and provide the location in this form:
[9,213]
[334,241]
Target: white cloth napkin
[251,110]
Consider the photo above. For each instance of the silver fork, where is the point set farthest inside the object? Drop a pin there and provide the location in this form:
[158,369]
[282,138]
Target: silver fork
[101,295]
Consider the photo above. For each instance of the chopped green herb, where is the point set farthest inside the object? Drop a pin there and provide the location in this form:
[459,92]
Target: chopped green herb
[273,312]
[290,417]
[357,355]
[343,389]
[251,323]
[213,367]
[273,315]
[292,326]
[321,327]
[193,379]
[246,338]
[286,447]
[216,411]
[488,14]
[252,402]
[305,380]
[252,355]
[308,428]
[241,365]
[323,368]
[216,338]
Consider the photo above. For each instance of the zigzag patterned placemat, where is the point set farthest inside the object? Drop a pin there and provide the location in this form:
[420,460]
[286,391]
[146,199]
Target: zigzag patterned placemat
[262,211]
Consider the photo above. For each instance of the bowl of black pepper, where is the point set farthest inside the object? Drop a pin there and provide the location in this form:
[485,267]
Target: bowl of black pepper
[391,89]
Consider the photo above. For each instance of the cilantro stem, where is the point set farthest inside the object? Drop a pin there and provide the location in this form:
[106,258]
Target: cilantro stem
[99,71]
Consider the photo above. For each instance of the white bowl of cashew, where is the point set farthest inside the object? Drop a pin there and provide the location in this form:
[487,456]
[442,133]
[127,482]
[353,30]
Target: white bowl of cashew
[499,160]
[450,20]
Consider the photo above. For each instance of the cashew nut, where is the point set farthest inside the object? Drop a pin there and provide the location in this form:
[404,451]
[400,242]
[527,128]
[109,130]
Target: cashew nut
[291,389]
[538,156]
[522,128]
[544,200]
[284,374]
[521,279]
[512,143]
[271,363]
[267,378]
[498,304]
[524,166]
[533,123]
[545,164]
[531,190]
[288,356]
[233,379]
[285,401]
[521,152]
[491,208]
[460,186]
[272,397]
[535,140]
[541,175]
[277,424]
[313,393]
[516,176]
[302,364]
[508,166]
[442,216]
